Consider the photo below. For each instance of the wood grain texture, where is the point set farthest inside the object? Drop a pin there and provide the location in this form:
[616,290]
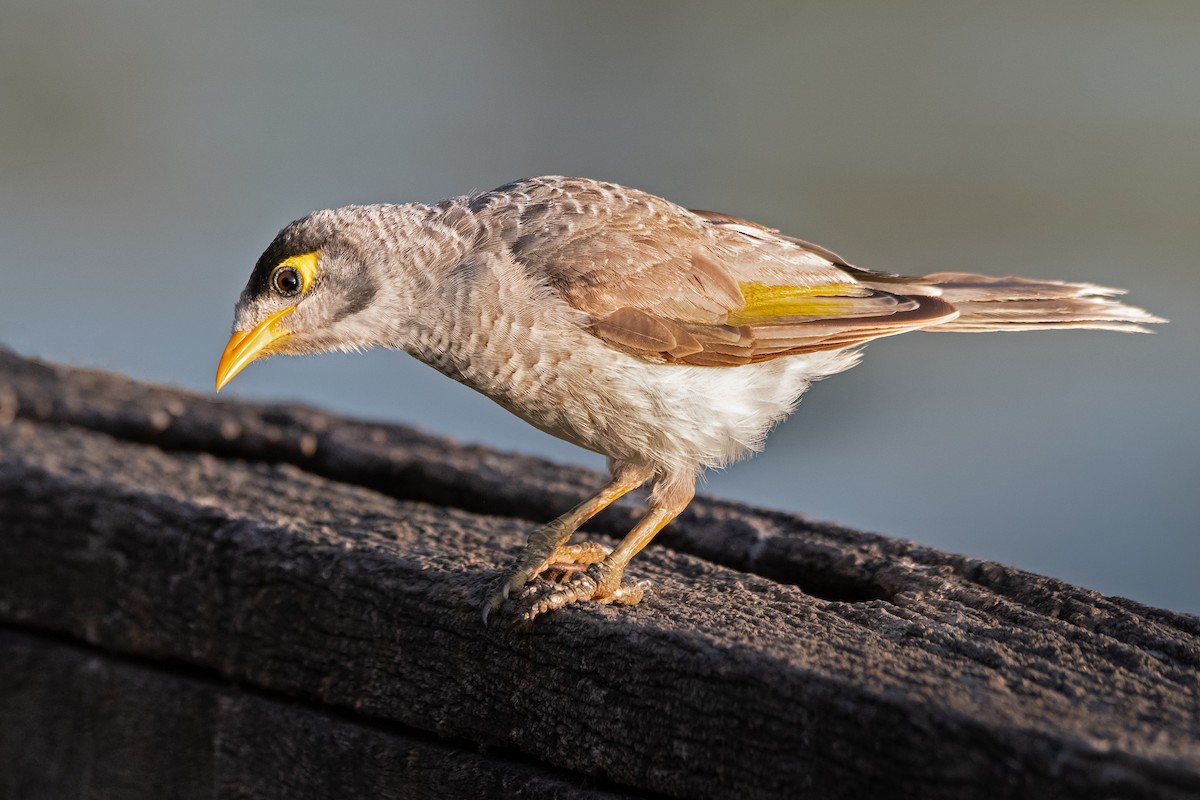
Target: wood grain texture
[775,656]
[76,722]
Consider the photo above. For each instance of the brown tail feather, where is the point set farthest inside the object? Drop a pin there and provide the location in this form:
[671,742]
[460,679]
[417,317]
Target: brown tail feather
[1021,304]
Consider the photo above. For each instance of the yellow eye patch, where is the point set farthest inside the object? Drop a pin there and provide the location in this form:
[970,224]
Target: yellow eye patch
[765,303]
[305,264]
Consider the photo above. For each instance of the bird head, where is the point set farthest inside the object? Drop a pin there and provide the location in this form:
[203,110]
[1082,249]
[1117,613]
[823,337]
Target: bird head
[303,295]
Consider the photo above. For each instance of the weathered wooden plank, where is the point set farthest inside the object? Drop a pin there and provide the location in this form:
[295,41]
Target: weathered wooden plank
[78,723]
[933,675]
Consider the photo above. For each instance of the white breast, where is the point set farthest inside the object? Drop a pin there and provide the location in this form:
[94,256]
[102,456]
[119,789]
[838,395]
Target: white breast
[680,417]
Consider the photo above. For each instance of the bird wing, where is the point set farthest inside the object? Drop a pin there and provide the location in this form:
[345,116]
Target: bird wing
[668,284]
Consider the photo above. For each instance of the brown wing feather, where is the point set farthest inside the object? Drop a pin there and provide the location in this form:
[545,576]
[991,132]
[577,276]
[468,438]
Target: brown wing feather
[886,281]
[666,284]
[636,331]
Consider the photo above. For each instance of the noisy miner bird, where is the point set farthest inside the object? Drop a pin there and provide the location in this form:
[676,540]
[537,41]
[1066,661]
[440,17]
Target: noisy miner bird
[666,339]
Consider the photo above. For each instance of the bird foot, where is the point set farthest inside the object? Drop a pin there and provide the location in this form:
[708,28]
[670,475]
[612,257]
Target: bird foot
[570,559]
[556,568]
[597,582]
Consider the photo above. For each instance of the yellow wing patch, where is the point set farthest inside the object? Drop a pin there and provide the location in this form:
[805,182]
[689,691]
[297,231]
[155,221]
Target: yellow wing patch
[766,303]
[306,265]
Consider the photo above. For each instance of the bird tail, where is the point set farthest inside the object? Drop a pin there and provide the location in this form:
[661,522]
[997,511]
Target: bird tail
[1021,304]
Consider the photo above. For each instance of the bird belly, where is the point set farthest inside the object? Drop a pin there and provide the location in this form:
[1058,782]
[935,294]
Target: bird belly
[679,418]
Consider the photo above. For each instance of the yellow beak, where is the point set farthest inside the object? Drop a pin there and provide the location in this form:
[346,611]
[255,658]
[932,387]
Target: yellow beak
[245,347]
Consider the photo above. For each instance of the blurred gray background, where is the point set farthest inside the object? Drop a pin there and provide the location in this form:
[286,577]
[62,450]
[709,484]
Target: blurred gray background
[149,151]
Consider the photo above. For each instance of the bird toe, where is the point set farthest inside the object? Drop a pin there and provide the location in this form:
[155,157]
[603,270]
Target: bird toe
[597,583]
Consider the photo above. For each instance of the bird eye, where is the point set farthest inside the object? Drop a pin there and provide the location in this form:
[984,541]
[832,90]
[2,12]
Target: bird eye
[286,281]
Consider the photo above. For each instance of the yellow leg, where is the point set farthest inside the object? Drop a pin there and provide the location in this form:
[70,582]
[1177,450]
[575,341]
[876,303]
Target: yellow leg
[602,580]
[547,546]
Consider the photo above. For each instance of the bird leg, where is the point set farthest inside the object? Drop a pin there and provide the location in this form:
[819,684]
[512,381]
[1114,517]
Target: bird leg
[547,548]
[601,581]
